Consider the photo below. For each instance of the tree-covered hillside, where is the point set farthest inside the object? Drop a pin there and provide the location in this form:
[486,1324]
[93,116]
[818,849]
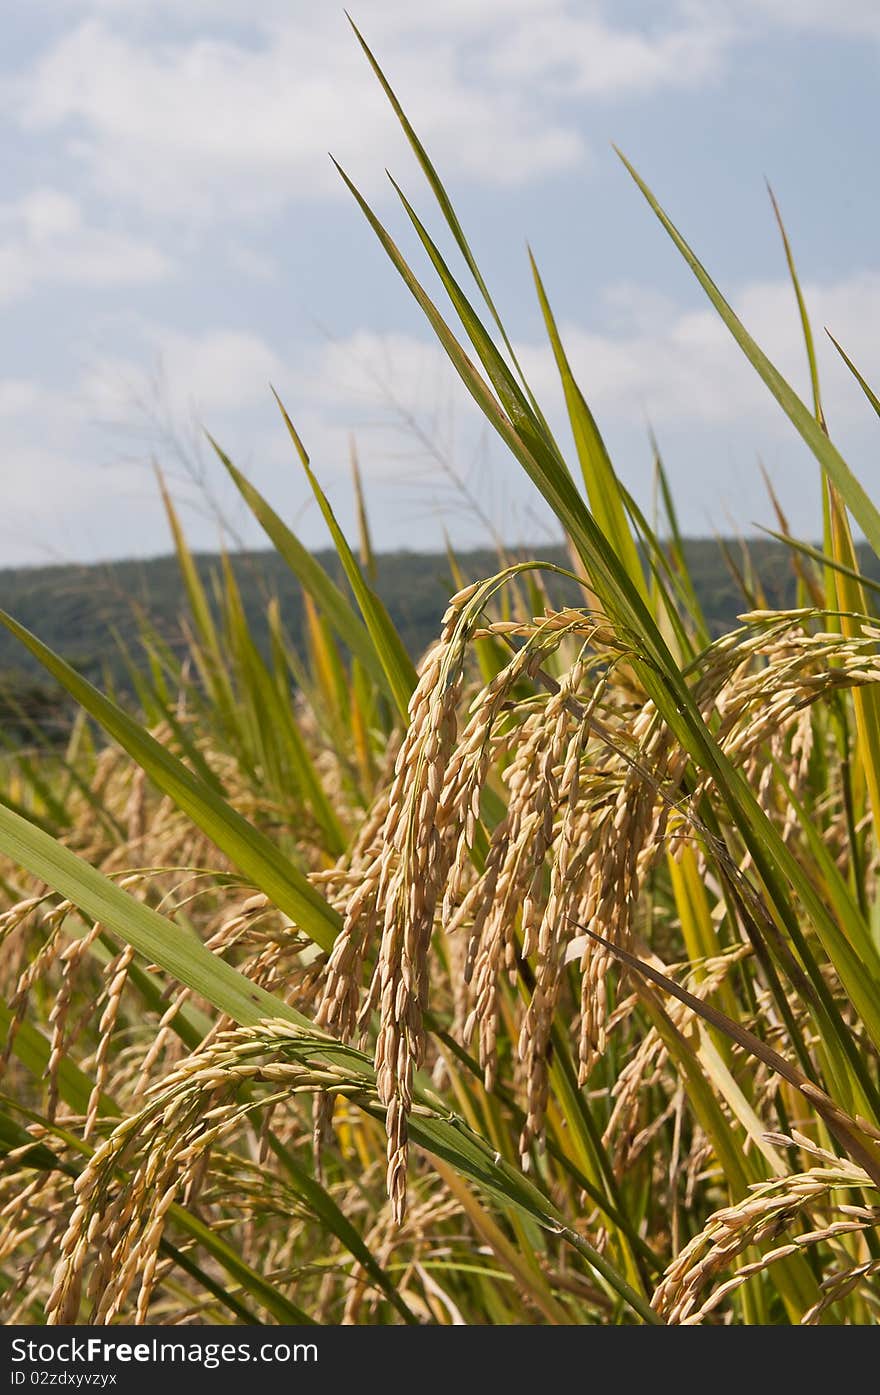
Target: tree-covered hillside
[84,611]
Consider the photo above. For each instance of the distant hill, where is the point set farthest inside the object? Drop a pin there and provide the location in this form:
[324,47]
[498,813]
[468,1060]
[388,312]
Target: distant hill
[76,610]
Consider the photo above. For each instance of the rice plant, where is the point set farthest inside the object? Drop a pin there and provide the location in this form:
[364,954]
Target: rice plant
[537,981]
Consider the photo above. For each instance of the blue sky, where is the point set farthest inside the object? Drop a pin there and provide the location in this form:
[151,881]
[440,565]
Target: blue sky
[173,238]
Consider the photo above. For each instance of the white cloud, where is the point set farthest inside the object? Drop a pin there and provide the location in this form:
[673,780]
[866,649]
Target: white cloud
[652,359]
[223,370]
[678,366]
[849,18]
[18,396]
[176,110]
[257,266]
[79,482]
[51,509]
[200,121]
[367,368]
[44,239]
[648,358]
[189,376]
[208,125]
[589,57]
[375,16]
[194,110]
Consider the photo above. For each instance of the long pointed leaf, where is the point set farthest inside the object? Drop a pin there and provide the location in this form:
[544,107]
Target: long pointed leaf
[249,850]
[396,663]
[861,506]
[310,574]
[603,487]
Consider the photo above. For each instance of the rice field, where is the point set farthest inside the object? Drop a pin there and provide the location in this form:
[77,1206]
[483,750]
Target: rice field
[537,981]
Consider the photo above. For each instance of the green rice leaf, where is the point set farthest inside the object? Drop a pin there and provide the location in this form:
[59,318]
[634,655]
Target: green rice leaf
[862,382]
[603,486]
[832,462]
[326,595]
[396,663]
[247,848]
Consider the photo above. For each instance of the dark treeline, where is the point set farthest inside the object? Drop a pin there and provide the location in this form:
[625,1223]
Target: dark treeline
[83,611]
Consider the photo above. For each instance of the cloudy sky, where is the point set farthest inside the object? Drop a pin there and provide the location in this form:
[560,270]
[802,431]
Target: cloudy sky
[174,238]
